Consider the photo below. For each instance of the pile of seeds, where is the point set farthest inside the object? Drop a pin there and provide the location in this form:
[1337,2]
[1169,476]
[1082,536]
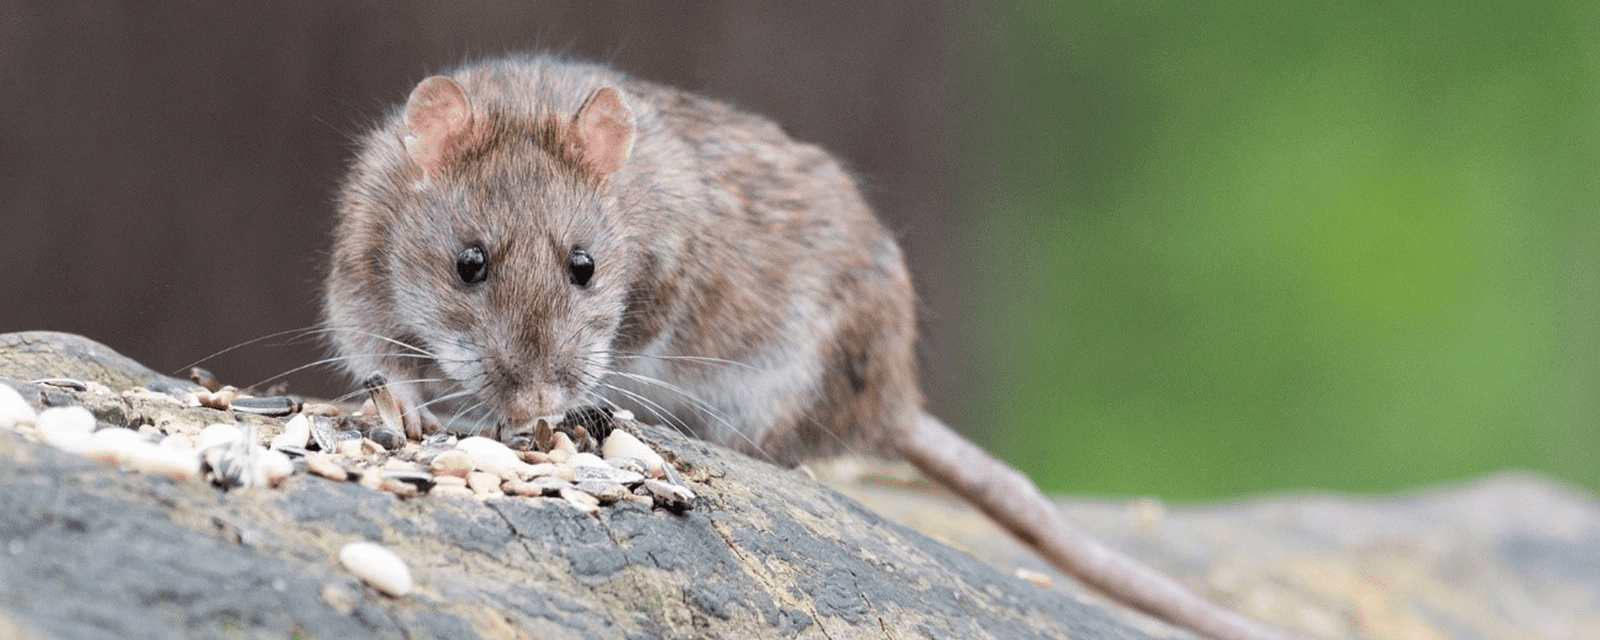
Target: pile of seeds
[585,458]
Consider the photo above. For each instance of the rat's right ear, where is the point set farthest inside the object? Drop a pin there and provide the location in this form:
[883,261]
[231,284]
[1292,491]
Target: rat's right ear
[601,134]
[438,118]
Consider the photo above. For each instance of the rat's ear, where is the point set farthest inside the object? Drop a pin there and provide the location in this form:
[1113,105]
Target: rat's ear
[601,137]
[438,118]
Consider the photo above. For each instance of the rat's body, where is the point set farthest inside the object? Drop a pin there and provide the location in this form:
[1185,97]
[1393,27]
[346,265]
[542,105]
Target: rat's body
[537,234]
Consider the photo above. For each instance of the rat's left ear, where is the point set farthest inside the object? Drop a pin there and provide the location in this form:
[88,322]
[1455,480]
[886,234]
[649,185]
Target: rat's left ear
[601,136]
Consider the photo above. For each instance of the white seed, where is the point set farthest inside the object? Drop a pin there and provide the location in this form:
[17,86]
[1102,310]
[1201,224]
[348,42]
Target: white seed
[521,488]
[533,457]
[532,471]
[371,479]
[489,455]
[377,566]
[449,481]
[587,460]
[58,420]
[112,445]
[451,491]
[399,488]
[296,433]
[622,414]
[323,465]
[14,411]
[223,397]
[604,490]
[1038,579]
[483,482]
[582,501]
[178,442]
[564,443]
[178,465]
[67,428]
[274,466]
[396,464]
[350,448]
[455,463]
[621,444]
[218,434]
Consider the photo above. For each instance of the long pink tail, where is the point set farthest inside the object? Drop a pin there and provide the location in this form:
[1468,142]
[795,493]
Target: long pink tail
[1009,498]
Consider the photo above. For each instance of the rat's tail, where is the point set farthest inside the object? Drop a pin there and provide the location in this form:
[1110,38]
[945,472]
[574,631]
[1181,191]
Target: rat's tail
[1011,500]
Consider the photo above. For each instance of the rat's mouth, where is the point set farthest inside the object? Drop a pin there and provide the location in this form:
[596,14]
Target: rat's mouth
[590,424]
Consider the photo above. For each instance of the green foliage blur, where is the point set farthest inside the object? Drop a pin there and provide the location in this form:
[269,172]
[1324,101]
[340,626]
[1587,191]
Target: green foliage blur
[1239,247]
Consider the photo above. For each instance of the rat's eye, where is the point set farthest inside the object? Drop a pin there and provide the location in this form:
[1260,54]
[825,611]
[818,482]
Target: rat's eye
[472,264]
[580,267]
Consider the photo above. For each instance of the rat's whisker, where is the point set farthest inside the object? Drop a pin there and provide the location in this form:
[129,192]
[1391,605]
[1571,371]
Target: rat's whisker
[696,403]
[388,384]
[661,412]
[477,407]
[668,358]
[302,331]
[324,362]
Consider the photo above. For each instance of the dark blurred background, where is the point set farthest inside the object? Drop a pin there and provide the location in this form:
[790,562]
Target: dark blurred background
[1183,250]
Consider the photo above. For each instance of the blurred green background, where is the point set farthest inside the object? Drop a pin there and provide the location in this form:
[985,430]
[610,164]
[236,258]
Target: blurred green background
[1234,247]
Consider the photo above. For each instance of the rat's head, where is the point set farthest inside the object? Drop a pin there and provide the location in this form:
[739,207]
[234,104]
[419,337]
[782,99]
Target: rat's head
[508,264]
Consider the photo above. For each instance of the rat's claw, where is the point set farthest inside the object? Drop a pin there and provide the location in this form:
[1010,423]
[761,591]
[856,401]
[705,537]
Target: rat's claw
[419,422]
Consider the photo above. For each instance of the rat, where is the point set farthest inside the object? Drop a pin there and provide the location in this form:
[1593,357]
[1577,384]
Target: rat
[535,233]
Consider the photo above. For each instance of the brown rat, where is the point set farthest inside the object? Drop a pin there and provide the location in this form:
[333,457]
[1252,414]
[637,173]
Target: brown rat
[532,234]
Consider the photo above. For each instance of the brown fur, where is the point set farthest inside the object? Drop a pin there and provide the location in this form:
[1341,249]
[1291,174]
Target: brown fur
[723,239]
[714,235]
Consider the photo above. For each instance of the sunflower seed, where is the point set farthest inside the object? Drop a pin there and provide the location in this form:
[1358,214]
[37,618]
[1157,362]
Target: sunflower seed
[671,496]
[266,405]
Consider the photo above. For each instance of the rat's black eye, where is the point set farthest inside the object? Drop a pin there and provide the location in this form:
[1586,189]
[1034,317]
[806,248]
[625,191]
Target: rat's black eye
[472,264]
[580,267]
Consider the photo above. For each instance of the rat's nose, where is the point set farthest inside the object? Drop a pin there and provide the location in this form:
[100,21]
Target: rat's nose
[529,403]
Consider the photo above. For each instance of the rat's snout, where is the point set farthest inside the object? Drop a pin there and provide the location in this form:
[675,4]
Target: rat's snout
[523,405]
[520,388]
